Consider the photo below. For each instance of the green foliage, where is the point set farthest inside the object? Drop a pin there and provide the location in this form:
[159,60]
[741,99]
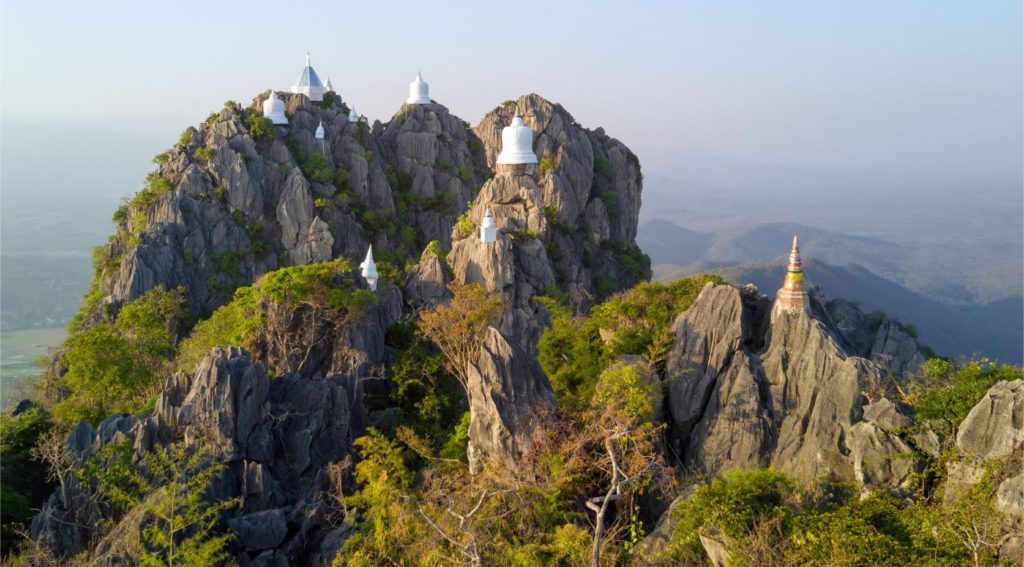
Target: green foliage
[546,165]
[116,367]
[376,221]
[186,136]
[322,203]
[260,128]
[385,478]
[602,166]
[21,484]
[554,221]
[317,168]
[611,203]
[733,503]
[204,154]
[948,393]
[220,193]
[508,102]
[444,165]
[326,285]
[768,521]
[465,171]
[636,322]
[434,247]
[160,159]
[622,389]
[116,477]
[430,398]
[183,526]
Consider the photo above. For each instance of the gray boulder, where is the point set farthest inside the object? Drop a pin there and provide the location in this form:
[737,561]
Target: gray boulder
[994,428]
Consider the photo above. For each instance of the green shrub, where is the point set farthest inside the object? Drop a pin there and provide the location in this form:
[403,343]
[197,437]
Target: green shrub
[948,393]
[261,128]
[116,367]
[444,165]
[465,172]
[602,166]
[160,159]
[204,154]
[321,203]
[220,193]
[22,487]
[508,102]
[317,168]
[186,136]
[546,165]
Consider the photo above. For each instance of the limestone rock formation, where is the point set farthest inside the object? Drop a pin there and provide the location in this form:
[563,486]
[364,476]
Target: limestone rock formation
[995,426]
[508,395]
[748,388]
[276,436]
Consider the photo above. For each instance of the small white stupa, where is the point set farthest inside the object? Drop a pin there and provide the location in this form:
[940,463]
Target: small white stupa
[488,230]
[419,91]
[369,270]
[309,84]
[352,116]
[273,108]
[328,87]
[517,143]
[319,135]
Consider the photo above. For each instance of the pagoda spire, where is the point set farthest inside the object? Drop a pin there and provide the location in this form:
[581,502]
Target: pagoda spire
[792,295]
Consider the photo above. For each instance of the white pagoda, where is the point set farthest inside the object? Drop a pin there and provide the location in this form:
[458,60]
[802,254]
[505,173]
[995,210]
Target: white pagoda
[419,91]
[352,116]
[369,270]
[516,143]
[488,230]
[273,108]
[309,83]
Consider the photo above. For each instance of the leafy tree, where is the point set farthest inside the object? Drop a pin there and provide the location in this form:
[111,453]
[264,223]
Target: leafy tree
[21,487]
[116,367]
[459,327]
[949,392]
[183,526]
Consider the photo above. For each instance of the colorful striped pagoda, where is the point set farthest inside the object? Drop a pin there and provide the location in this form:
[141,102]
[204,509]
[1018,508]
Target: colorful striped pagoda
[792,295]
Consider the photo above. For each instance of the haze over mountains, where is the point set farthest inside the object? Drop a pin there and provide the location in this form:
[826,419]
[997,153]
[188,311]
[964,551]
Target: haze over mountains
[940,254]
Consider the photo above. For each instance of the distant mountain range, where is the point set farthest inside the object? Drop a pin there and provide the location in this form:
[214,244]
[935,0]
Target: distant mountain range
[860,269]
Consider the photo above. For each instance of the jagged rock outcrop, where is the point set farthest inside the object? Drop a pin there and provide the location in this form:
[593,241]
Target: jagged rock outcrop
[232,201]
[886,342]
[427,282]
[277,437]
[750,388]
[508,396]
[439,163]
[587,187]
[995,426]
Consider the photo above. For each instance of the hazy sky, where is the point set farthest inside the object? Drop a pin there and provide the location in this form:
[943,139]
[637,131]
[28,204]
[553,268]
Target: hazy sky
[917,88]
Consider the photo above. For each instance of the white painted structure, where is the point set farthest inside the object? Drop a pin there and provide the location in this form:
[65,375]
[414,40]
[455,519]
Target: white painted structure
[309,84]
[319,131]
[328,87]
[488,230]
[352,116]
[419,91]
[517,143]
[369,270]
[273,108]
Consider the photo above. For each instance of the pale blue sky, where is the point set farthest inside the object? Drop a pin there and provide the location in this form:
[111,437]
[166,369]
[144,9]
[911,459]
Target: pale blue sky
[926,88]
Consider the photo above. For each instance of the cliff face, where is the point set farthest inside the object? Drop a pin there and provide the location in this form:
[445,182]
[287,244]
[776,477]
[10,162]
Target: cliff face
[750,387]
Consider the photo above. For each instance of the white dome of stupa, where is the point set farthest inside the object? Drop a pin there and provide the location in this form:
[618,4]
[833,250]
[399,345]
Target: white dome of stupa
[488,230]
[517,143]
[368,269]
[352,116]
[309,84]
[319,135]
[419,91]
[273,108]
[328,87]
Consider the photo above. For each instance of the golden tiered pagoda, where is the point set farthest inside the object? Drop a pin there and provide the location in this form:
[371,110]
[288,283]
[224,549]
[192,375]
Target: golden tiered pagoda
[792,295]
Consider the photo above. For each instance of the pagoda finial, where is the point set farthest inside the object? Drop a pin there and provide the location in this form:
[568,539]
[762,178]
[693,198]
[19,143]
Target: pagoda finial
[307,59]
